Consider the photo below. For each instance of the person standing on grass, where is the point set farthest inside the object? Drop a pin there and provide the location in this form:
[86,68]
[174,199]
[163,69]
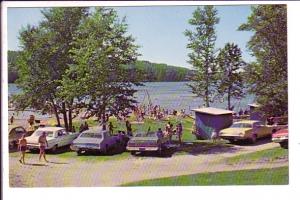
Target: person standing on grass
[179,130]
[22,148]
[111,128]
[12,119]
[43,143]
[128,128]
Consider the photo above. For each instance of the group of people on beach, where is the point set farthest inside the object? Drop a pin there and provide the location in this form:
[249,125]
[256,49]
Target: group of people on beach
[22,146]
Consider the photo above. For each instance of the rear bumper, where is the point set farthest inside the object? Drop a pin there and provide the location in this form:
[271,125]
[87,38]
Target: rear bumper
[142,148]
[84,148]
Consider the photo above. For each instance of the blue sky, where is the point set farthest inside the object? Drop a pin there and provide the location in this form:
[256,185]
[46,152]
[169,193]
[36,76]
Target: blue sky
[158,30]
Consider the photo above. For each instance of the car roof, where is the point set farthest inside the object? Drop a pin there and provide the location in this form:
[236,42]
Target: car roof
[50,128]
[212,111]
[247,121]
[96,129]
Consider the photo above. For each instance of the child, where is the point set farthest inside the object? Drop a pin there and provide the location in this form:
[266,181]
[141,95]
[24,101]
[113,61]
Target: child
[22,148]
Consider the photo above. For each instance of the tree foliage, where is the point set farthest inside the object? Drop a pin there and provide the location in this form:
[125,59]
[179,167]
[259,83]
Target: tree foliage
[102,49]
[74,55]
[12,66]
[151,71]
[267,76]
[230,66]
[202,57]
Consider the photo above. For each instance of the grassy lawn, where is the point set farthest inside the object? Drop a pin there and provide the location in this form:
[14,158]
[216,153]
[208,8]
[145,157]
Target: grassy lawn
[187,124]
[276,176]
[264,155]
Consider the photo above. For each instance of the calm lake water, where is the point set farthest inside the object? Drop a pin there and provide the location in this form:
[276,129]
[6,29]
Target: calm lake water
[171,95]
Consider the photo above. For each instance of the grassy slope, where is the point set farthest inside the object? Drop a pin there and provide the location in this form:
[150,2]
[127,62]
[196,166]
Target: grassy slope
[277,176]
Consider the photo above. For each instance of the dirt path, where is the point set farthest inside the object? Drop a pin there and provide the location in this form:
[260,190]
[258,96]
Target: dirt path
[74,173]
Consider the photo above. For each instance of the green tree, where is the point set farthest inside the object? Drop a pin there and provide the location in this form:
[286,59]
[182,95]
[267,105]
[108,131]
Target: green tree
[202,58]
[230,64]
[45,58]
[99,78]
[12,66]
[267,76]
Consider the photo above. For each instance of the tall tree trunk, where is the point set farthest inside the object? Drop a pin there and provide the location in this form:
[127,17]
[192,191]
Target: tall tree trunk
[70,116]
[207,87]
[229,98]
[64,112]
[55,112]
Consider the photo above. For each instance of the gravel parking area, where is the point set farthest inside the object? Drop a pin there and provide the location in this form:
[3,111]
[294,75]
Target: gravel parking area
[71,172]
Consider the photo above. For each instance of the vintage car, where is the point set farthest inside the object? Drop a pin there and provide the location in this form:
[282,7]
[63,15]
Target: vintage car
[98,140]
[15,132]
[281,137]
[149,141]
[246,130]
[56,137]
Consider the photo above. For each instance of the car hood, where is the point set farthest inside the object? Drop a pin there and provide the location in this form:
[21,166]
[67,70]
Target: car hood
[234,131]
[84,140]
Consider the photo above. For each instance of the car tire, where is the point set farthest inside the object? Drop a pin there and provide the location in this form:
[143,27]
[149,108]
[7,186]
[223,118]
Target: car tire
[253,139]
[79,153]
[133,153]
[284,145]
[105,151]
[231,141]
[54,149]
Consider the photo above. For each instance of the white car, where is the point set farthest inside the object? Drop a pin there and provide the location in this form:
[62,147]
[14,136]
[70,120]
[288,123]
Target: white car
[56,137]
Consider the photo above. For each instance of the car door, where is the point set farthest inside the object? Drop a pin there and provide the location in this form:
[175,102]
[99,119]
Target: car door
[260,129]
[66,138]
[256,129]
[60,140]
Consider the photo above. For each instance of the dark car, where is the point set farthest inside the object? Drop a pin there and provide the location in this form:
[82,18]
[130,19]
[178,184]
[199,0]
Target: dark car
[149,141]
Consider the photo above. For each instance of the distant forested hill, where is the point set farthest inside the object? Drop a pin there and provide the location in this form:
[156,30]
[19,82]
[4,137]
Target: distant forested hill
[152,71]
[162,72]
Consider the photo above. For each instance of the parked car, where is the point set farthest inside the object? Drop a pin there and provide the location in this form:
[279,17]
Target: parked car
[15,132]
[98,140]
[56,137]
[148,141]
[246,130]
[281,137]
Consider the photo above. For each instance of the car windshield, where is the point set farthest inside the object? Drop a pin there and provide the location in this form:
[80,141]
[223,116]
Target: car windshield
[148,134]
[39,133]
[241,125]
[91,135]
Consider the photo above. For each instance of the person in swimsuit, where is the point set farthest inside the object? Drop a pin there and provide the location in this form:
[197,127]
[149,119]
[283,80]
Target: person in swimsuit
[22,148]
[43,143]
